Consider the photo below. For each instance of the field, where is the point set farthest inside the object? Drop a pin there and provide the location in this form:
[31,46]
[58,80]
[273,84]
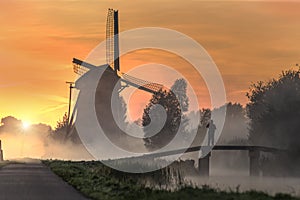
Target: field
[95,180]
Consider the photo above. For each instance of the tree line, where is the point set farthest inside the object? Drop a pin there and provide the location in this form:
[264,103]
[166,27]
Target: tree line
[270,118]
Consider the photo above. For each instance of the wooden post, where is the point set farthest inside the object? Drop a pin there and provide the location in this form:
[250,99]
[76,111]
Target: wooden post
[203,165]
[69,108]
[254,167]
[1,152]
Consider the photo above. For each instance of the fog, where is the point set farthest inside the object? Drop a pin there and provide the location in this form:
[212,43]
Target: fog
[229,170]
[270,185]
[36,141]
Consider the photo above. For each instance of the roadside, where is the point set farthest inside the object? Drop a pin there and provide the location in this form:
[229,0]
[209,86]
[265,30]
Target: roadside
[99,182]
[33,181]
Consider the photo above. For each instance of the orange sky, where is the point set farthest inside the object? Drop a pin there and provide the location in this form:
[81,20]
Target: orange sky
[249,41]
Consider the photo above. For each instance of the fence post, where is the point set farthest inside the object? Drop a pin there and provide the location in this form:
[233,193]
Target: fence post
[1,152]
[254,162]
[203,165]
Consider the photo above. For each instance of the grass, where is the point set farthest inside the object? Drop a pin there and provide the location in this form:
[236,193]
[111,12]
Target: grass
[3,163]
[98,181]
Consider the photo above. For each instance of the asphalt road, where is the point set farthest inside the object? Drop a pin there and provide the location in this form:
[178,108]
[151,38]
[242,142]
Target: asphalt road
[34,181]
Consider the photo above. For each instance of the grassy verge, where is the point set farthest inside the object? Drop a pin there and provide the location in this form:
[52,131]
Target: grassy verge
[7,162]
[97,181]
[3,163]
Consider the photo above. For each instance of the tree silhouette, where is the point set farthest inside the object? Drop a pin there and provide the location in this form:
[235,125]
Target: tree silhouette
[173,104]
[274,110]
[179,89]
[60,130]
[205,116]
[62,124]
[235,128]
[10,124]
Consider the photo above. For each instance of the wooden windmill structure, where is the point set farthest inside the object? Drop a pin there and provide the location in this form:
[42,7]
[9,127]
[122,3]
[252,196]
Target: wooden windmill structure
[111,75]
[112,58]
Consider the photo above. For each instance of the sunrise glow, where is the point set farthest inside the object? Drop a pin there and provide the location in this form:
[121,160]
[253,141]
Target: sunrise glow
[25,125]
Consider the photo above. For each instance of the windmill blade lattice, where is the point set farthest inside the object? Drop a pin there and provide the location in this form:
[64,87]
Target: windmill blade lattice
[141,84]
[81,67]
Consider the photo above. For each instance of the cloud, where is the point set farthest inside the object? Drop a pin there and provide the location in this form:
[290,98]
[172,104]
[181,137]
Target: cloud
[53,108]
[55,98]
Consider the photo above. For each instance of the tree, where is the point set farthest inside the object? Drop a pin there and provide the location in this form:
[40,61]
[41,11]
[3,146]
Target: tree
[235,128]
[174,103]
[274,111]
[62,124]
[179,89]
[60,130]
[10,124]
[205,116]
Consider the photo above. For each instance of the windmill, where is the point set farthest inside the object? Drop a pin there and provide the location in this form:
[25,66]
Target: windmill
[112,58]
[112,74]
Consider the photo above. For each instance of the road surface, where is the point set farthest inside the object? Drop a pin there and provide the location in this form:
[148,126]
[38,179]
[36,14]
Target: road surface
[34,181]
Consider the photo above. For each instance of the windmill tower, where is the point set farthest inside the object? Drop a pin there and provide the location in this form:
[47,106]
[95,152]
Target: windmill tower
[109,80]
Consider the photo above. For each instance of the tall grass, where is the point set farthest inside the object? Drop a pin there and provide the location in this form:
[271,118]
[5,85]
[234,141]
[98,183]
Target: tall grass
[97,181]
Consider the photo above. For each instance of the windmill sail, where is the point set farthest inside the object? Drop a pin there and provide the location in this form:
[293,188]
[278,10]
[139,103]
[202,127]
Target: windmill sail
[112,39]
[112,57]
[81,67]
[141,84]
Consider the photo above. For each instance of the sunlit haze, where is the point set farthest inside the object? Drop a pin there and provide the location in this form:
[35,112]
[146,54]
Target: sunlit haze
[25,125]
